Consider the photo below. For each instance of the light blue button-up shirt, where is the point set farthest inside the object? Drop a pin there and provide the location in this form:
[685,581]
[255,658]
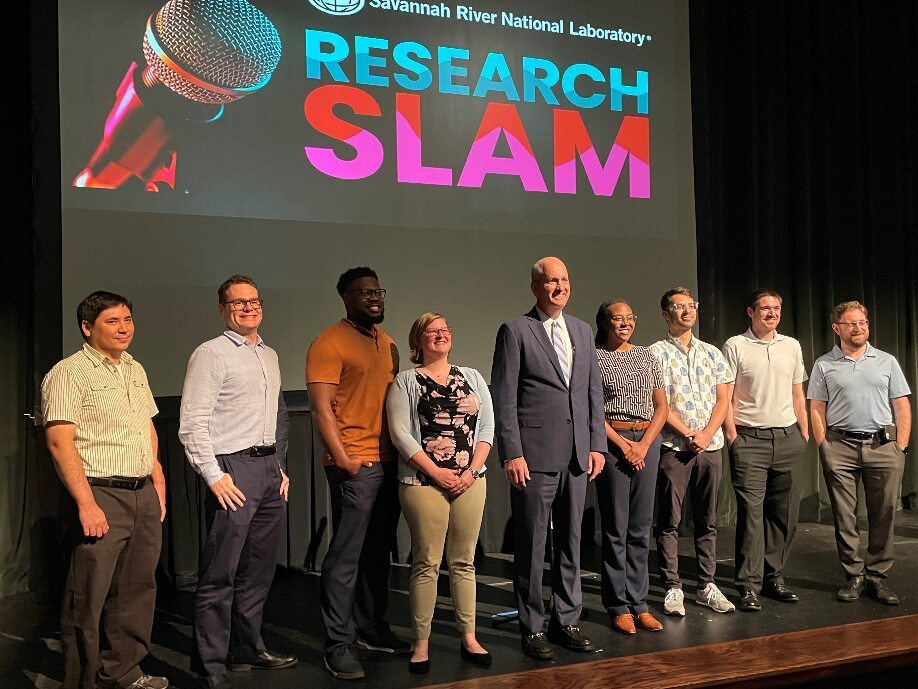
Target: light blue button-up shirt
[229,401]
[857,392]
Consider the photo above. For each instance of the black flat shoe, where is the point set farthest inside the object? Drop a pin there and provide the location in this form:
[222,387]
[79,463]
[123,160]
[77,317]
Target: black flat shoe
[779,592]
[749,601]
[479,659]
[421,667]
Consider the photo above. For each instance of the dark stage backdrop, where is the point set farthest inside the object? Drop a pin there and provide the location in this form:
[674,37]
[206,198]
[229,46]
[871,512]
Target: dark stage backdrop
[806,175]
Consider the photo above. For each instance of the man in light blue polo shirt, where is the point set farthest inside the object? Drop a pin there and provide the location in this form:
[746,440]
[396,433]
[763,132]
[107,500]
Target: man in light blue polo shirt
[851,391]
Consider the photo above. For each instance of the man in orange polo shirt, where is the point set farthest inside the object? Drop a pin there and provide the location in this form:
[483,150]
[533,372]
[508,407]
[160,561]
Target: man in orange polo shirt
[349,368]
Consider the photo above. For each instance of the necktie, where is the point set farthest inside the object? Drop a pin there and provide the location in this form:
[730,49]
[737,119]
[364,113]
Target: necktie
[557,341]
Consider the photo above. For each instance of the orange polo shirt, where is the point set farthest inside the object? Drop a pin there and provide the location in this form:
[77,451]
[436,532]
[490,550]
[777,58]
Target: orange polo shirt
[362,364]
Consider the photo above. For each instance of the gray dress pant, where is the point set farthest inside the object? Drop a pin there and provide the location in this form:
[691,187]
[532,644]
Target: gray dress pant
[845,462]
[110,593]
[761,467]
[626,506]
[680,473]
[237,563]
[355,571]
[557,497]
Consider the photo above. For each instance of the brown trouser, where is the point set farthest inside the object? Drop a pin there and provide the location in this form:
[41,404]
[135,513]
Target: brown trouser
[110,593]
[846,461]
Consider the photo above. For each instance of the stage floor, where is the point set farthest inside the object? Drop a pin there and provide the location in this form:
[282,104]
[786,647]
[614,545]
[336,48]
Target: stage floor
[30,657]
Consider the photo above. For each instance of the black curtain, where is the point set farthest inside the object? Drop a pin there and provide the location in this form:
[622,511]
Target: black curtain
[805,134]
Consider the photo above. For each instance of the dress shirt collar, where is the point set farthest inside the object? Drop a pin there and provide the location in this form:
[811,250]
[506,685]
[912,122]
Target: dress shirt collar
[241,341]
[97,357]
[676,342]
[871,352]
[545,317]
[749,335]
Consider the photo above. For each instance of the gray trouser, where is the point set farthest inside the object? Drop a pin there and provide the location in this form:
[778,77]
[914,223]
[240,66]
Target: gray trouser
[626,506]
[681,472]
[845,462]
[761,467]
[555,497]
[355,571]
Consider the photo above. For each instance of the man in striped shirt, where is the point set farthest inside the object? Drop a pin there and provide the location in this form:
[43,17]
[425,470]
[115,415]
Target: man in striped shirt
[97,410]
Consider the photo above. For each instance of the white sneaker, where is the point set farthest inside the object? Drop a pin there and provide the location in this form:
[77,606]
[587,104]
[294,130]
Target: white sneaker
[672,604]
[711,597]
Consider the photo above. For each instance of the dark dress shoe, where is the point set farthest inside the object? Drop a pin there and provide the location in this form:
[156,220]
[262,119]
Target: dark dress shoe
[749,601]
[479,659]
[419,667]
[852,590]
[536,646]
[879,591]
[570,637]
[266,660]
[779,592]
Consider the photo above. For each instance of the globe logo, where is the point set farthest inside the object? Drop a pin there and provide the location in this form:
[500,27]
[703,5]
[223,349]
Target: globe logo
[338,7]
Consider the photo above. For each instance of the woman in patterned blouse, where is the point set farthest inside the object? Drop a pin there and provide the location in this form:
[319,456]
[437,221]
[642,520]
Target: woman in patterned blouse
[442,423]
[635,409]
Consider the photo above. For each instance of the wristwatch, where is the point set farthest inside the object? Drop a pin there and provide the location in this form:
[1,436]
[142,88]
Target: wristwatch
[475,473]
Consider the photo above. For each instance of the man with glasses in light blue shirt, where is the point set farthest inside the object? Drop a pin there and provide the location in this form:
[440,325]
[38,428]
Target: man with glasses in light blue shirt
[850,393]
[233,425]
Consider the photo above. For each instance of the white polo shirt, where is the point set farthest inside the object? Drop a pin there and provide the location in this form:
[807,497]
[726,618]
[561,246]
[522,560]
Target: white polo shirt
[766,371]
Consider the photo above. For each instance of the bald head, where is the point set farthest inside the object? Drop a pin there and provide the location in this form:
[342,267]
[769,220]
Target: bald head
[550,285]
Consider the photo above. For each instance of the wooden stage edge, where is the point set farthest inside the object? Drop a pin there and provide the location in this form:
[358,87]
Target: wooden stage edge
[765,661]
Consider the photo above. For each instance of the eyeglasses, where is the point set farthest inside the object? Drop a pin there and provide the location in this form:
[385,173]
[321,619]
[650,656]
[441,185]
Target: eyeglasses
[630,318]
[438,332]
[367,293]
[851,324]
[240,304]
[684,306]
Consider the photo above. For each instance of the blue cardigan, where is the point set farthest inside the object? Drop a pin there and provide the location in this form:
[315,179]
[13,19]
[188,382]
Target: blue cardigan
[405,428]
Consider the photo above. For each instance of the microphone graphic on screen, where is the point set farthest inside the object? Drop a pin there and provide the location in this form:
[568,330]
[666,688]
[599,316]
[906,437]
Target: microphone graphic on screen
[199,55]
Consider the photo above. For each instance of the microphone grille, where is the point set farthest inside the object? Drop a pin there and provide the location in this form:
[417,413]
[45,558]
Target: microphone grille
[211,51]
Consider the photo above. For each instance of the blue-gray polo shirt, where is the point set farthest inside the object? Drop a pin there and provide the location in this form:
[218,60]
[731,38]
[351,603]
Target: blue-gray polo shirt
[857,393]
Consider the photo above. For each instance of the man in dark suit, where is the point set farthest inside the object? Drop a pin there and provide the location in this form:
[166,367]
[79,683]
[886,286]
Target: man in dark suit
[549,410]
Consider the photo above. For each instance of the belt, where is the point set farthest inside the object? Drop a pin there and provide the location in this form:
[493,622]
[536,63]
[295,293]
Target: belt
[628,425]
[772,432]
[859,435]
[259,450]
[125,482]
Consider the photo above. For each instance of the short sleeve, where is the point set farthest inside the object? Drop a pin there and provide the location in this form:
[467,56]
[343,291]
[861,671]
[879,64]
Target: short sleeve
[656,371]
[799,369]
[323,362]
[61,396]
[898,386]
[152,409]
[723,371]
[817,388]
[730,355]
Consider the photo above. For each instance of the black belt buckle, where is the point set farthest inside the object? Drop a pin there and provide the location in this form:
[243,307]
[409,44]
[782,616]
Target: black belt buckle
[261,450]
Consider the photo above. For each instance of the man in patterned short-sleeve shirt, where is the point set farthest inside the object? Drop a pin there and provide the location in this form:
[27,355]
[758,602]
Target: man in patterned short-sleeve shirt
[696,380]
[97,410]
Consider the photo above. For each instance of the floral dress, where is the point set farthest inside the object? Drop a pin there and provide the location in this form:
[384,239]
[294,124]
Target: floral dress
[447,414]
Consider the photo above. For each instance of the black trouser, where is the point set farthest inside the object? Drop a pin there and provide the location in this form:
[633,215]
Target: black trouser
[684,472]
[237,563]
[110,593]
[761,466]
[355,572]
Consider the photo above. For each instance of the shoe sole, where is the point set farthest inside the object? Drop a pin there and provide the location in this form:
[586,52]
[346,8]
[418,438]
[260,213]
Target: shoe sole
[364,646]
[246,667]
[344,675]
[711,607]
[548,655]
[674,613]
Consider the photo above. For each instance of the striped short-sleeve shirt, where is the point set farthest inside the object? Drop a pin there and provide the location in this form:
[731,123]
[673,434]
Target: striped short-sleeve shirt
[628,381]
[111,411]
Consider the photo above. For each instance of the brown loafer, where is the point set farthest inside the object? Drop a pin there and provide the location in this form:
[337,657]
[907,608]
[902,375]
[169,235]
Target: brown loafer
[624,624]
[648,622]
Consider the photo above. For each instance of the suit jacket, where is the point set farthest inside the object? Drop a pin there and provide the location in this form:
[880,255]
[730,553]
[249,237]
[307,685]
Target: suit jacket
[538,416]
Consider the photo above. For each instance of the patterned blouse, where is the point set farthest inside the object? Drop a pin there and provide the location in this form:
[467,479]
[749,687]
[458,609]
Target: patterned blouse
[447,414]
[628,381]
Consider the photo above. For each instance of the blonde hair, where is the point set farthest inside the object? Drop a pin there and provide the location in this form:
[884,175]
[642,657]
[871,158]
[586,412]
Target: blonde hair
[414,335]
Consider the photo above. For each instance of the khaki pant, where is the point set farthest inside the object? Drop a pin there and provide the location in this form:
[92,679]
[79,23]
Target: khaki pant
[845,462]
[435,520]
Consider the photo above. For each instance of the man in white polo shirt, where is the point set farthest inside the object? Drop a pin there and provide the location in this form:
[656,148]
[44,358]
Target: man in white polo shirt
[851,392]
[767,431]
